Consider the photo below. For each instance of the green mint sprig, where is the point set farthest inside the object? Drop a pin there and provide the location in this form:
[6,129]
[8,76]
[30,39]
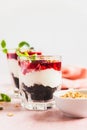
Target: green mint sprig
[4,97]
[20,46]
[3,45]
[25,53]
[20,54]
[19,49]
[23,43]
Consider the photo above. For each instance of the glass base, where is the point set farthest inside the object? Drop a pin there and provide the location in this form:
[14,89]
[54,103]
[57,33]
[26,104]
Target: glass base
[16,92]
[38,105]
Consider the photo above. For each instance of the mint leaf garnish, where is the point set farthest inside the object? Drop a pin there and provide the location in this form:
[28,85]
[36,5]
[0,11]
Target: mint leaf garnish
[34,57]
[24,53]
[5,51]
[19,53]
[4,97]
[3,44]
[23,43]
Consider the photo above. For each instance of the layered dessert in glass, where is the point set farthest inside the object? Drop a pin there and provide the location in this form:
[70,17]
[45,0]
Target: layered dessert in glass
[12,57]
[13,66]
[39,79]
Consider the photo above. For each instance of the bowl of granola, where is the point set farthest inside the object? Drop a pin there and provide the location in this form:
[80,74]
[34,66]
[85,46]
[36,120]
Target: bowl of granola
[72,103]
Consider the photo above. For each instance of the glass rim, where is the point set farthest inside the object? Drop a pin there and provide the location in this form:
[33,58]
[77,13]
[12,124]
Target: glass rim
[43,57]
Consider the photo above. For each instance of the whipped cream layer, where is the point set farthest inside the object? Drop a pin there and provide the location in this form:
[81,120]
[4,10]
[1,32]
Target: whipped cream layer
[48,77]
[13,66]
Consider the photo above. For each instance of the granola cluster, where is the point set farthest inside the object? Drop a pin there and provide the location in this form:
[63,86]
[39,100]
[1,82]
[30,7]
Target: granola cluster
[72,94]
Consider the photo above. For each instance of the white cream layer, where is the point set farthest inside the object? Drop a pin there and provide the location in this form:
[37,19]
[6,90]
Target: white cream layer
[13,66]
[48,77]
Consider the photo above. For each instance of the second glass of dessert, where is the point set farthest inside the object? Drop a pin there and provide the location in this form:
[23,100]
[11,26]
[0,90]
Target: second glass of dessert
[12,59]
[39,77]
[13,67]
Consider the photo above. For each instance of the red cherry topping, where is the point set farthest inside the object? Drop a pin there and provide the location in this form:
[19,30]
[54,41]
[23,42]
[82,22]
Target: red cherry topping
[11,55]
[38,65]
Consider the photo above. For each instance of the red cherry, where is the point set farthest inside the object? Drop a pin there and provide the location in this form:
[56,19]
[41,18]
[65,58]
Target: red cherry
[57,66]
[12,55]
[33,52]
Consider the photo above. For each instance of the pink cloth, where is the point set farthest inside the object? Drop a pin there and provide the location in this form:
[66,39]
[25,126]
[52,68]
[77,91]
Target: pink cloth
[74,77]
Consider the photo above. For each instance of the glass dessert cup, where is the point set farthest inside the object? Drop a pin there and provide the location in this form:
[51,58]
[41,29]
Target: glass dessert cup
[39,79]
[12,59]
[13,68]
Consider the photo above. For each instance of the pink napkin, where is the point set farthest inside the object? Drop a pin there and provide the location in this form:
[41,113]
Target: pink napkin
[74,77]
